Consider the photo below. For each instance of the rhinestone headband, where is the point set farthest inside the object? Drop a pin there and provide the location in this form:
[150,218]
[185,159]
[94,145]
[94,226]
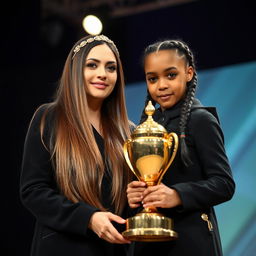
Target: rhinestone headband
[90,40]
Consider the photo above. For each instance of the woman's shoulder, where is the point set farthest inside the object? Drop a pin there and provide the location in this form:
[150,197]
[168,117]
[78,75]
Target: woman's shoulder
[44,112]
[46,109]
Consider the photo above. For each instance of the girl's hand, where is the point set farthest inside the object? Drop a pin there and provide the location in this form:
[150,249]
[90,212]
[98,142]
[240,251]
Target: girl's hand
[134,192]
[161,196]
[100,223]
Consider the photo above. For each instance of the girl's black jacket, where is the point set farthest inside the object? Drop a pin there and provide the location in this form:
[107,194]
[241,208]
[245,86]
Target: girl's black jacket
[201,186]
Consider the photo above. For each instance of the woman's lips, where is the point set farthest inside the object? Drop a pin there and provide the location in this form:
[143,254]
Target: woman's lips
[99,85]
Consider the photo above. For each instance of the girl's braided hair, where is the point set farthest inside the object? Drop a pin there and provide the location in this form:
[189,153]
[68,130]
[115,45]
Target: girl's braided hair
[183,50]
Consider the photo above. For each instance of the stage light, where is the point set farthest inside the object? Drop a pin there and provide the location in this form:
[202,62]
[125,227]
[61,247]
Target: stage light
[92,25]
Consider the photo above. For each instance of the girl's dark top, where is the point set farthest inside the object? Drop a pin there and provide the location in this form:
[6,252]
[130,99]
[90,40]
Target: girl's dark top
[61,226]
[204,184]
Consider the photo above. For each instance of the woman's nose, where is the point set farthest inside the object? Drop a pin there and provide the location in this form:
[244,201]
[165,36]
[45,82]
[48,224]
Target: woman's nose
[101,72]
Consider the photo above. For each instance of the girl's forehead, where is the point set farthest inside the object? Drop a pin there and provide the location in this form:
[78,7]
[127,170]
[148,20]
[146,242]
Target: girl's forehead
[171,55]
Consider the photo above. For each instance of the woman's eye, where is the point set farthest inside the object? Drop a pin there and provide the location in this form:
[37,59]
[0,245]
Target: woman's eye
[91,65]
[111,68]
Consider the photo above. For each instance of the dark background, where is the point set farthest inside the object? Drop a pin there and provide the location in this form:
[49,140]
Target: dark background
[219,33]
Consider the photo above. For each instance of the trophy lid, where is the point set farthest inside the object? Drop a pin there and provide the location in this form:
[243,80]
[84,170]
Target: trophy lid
[149,127]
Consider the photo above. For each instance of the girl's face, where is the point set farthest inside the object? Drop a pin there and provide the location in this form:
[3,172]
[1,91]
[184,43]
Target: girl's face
[167,75]
[100,72]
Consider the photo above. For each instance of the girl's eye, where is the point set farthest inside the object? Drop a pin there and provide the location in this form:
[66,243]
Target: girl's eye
[152,79]
[91,65]
[172,75]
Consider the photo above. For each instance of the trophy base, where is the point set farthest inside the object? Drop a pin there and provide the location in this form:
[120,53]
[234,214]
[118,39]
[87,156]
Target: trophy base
[149,227]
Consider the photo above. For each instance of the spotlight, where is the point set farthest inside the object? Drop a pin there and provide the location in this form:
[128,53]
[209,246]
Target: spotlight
[92,25]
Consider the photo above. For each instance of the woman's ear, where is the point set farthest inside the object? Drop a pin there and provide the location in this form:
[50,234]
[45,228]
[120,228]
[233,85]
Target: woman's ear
[190,73]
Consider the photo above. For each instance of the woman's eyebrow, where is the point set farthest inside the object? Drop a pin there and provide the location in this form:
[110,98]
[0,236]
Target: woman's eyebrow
[93,59]
[96,60]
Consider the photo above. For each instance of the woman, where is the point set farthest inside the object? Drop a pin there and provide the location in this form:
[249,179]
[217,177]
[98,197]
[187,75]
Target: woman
[73,171]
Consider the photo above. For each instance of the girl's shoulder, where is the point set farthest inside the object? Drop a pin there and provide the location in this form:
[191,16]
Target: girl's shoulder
[202,113]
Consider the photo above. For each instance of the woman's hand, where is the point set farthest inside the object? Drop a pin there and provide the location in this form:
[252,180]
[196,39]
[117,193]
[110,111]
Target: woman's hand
[100,223]
[160,196]
[134,192]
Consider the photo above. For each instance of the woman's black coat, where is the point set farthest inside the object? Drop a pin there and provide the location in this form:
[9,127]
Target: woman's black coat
[206,183]
[61,226]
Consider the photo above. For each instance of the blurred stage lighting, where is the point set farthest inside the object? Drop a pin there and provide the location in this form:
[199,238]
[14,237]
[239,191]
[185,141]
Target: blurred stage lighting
[92,25]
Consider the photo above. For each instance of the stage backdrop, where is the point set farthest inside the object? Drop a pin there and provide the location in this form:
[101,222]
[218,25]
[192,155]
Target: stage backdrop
[232,89]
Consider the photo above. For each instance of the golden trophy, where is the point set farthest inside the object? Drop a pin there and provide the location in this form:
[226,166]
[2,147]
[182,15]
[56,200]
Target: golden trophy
[149,153]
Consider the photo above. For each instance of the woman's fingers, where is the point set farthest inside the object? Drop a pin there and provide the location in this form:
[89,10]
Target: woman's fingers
[112,235]
[101,224]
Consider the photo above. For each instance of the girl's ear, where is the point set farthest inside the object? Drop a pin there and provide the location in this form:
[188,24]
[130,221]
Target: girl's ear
[190,73]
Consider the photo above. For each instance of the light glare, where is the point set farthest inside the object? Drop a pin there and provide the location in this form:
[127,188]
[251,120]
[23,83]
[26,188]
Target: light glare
[92,25]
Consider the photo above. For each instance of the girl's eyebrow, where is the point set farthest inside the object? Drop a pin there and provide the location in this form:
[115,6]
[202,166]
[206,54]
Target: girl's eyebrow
[96,60]
[167,69]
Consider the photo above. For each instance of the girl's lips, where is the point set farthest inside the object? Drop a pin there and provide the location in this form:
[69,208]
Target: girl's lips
[165,97]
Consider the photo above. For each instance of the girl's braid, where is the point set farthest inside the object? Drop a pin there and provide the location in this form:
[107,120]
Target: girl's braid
[186,108]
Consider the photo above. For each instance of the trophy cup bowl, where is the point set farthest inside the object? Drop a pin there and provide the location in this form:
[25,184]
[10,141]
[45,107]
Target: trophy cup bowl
[149,153]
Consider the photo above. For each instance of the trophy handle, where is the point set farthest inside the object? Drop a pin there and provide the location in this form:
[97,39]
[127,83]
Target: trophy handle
[126,155]
[174,138]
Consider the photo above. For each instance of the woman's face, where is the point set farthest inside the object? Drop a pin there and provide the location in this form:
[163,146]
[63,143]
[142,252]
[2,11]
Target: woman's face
[100,72]
[167,75]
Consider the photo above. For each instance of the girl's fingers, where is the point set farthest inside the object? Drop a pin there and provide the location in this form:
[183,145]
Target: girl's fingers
[136,184]
[149,190]
[134,193]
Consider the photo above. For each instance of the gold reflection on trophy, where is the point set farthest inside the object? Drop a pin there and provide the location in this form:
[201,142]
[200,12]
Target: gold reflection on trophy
[149,153]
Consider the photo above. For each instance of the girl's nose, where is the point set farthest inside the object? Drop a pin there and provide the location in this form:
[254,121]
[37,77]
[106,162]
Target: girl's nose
[162,84]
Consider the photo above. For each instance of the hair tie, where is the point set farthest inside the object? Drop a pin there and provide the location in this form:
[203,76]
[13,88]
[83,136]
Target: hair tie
[183,135]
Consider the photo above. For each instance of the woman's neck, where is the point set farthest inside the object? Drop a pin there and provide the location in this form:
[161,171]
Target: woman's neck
[94,111]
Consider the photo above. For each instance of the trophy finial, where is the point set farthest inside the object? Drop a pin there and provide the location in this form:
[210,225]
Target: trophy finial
[150,109]
[149,126]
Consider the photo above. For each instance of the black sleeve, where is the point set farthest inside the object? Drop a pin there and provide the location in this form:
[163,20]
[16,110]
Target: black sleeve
[38,189]
[217,184]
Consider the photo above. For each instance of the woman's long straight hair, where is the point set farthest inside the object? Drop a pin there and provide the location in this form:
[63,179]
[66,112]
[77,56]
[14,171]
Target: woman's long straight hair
[76,157]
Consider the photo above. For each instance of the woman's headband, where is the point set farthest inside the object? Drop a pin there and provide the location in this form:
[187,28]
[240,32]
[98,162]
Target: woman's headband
[92,39]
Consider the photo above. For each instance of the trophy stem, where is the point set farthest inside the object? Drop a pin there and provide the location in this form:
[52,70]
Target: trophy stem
[149,210]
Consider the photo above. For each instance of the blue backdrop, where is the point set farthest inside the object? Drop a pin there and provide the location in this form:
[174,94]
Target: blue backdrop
[232,90]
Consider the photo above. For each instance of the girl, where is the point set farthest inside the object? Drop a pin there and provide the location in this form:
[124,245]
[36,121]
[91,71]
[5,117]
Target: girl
[200,176]
[73,170]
